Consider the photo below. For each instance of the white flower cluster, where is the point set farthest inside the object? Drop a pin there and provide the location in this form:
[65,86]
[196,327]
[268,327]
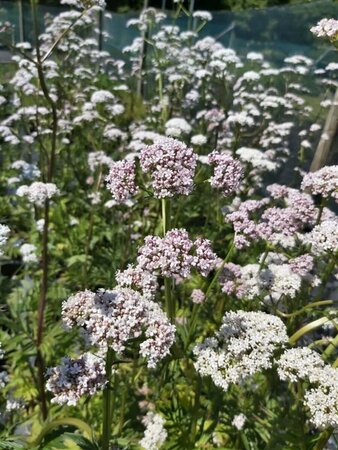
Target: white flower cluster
[13,403]
[227,174]
[160,335]
[323,182]
[176,126]
[323,238]
[298,363]
[239,421]
[243,346]
[112,318]
[3,373]
[326,28]
[4,232]
[76,377]
[258,159]
[277,280]
[147,17]
[281,280]
[28,171]
[199,139]
[322,400]
[96,159]
[84,3]
[155,433]
[38,192]
[102,96]
[28,253]
[321,397]
[205,16]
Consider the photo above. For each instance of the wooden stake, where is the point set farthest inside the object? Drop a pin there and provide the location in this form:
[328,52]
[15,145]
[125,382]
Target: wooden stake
[328,135]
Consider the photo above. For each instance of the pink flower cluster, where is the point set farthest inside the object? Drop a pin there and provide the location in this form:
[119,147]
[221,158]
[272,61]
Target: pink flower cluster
[171,165]
[121,180]
[171,256]
[277,224]
[323,182]
[76,377]
[245,226]
[197,296]
[231,280]
[302,265]
[326,28]
[112,318]
[228,172]
[139,280]
[160,335]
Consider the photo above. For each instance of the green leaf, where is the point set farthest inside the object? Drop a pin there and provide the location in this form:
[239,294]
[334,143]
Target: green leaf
[70,441]
[11,444]
[69,421]
[307,328]
[75,259]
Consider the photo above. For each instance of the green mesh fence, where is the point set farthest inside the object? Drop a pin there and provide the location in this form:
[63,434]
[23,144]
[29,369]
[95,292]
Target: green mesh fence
[277,32]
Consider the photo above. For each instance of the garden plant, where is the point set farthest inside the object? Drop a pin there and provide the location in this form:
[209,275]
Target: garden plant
[168,264]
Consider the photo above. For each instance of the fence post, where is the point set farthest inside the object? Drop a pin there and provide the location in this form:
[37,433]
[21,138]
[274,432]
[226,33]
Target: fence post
[163,4]
[100,29]
[21,22]
[326,140]
[191,12]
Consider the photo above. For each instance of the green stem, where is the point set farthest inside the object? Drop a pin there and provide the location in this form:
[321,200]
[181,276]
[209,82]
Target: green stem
[122,410]
[307,329]
[324,437]
[45,237]
[164,216]
[266,253]
[321,209]
[195,411]
[193,320]
[327,274]
[62,35]
[308,306]
[169,301]
[217,274]
[107,402]
[331,347]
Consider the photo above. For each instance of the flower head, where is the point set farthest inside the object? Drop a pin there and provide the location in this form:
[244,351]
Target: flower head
[227,173]
[244,345]
[323,238]
[4,232]
[326,28]
[121,180]
[76,377]
[112,318]
[38,192]
[171,165]
[155,433]
[176,254]
[323,182]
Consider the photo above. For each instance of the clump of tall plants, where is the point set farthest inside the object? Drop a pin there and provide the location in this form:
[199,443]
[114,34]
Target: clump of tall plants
[168,264]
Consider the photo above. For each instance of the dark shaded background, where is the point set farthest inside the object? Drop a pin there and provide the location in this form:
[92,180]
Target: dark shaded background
[230,5]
